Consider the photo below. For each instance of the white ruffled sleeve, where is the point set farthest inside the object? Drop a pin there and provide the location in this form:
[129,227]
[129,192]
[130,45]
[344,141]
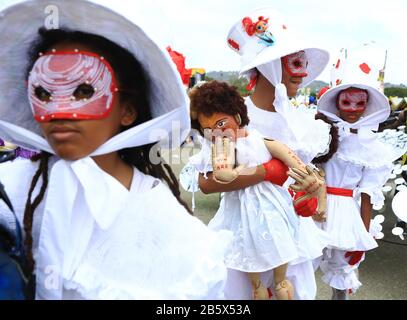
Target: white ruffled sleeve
[316,141]
[371,183]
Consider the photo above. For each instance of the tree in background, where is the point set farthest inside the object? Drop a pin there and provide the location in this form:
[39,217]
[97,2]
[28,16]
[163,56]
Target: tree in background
[395,92]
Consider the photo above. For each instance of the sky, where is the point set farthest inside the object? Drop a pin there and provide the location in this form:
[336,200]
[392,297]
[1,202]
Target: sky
[198,28]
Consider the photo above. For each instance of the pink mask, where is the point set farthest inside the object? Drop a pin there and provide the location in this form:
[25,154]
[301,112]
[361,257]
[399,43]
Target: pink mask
[296,64]
[71,85]
[353,100]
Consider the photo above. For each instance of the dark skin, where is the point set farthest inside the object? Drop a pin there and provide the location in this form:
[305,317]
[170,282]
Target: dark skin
[262,97]
[366,210]
[75,139]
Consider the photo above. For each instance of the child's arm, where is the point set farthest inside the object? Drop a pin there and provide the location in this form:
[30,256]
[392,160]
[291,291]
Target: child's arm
[366,210]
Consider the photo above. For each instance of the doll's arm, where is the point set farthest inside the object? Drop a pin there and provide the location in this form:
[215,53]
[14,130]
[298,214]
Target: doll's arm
[301,173]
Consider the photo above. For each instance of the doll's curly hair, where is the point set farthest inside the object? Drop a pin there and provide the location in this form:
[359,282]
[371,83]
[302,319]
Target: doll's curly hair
[215,96]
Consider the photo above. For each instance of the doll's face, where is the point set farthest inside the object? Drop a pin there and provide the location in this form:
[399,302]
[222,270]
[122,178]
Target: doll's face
[219,124]
[352,104]
[73,139]
[294,69]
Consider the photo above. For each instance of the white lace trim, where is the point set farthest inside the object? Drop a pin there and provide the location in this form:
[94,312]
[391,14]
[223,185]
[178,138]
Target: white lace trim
[344,279]
[373,163]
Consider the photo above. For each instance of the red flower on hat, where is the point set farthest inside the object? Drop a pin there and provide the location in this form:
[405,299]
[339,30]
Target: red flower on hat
[234,44]
[251,27]
[365,68]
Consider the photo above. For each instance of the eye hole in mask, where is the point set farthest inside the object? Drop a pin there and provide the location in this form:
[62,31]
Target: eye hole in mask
[83,91]
[42,94]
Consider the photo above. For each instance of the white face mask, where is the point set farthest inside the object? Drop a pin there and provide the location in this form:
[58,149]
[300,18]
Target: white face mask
[296,64]
[71,85]
[352,100]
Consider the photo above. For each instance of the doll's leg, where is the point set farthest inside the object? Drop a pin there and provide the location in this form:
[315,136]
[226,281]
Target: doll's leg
[260,292]
[284,290]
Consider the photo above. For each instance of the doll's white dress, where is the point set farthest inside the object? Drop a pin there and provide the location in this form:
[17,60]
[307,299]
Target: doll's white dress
[261,217]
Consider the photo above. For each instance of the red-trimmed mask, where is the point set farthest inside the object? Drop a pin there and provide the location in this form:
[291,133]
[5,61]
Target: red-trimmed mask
[353,100]
[75,85]
[296,64]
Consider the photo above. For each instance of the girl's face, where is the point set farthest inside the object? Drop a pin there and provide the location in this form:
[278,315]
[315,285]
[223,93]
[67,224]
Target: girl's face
[73,139]
[219,124]
[352,104]
[294,68]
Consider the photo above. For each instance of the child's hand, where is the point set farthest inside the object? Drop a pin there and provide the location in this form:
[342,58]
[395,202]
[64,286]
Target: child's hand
[223,160]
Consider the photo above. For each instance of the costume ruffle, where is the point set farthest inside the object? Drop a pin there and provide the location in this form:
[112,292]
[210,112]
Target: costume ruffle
[345,226]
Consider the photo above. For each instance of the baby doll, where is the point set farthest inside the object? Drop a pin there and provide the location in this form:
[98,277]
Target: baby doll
[262,216]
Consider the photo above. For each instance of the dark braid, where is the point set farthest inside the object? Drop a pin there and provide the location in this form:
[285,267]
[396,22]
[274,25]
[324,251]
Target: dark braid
[31,206]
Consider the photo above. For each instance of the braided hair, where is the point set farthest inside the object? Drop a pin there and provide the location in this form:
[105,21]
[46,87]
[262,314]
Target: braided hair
[133,78]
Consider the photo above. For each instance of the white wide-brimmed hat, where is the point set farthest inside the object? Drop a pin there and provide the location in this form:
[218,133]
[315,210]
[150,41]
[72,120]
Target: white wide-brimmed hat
[264,36]
[19,25]
[359,70]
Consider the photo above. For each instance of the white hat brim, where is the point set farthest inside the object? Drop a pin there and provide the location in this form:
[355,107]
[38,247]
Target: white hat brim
[317,59]
[378,102]
[19,26]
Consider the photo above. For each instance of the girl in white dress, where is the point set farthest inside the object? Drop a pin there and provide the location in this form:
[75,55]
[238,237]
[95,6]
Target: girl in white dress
[99,222]
[262,216]
[356,172]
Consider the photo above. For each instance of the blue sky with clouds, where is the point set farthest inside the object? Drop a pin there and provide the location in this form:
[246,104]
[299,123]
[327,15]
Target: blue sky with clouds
[198,28]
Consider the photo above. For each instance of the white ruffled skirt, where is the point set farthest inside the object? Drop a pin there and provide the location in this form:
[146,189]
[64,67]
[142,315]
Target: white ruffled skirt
[345,226]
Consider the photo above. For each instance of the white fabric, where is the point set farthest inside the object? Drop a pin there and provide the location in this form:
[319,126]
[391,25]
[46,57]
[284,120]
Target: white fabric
[261,217]
[316,141]
[364,147]
[255,52]
[338,273]
[357,69]
[118,255]
[344,222]
[273,73]
[315,133]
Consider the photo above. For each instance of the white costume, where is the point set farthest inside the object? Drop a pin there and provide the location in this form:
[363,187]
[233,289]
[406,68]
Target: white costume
[262,216]
[299,130]
[105,256]
[93,238]
[344,224]
[362,164]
